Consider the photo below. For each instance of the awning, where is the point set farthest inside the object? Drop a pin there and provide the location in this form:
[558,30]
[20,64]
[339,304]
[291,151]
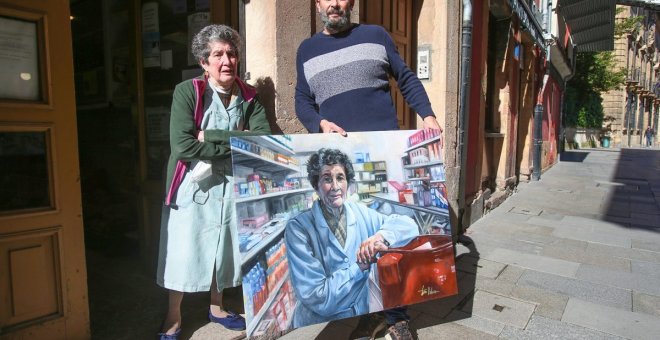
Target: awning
[591,23]
[653,5]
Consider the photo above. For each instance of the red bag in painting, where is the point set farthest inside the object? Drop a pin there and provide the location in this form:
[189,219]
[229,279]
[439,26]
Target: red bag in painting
[420,271]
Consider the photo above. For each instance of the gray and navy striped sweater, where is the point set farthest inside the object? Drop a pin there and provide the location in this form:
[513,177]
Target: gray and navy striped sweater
[344,78]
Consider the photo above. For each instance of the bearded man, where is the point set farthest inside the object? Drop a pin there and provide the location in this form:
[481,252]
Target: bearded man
[343,85]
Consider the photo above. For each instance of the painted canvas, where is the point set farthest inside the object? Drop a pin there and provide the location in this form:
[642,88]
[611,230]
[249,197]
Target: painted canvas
[332,227]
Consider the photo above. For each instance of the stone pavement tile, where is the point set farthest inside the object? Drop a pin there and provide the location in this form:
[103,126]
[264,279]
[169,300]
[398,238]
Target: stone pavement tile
[501,309]
[526,210]
[640,207]
[649,223]
[642,199]
[570,243]
[510,228]
[647,269]
[536,262]
[615,211]
[632,281]
[591,230]
[309,332]
[645,303]
[475,322]
[213,331]
[611,320]
[604,237]
[623,221]
[503,284]
[511,274]
[588,291]
[548,215]
[549,304]
[628,253]
[583,256]
[479,266]
[645,244]
[443,331]
[505,215]
[487,243]
[576,222]
[545,328]
[494,286]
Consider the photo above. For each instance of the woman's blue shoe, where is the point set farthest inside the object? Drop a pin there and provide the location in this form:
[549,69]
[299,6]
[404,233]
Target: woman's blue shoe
[173,336]
[233,321]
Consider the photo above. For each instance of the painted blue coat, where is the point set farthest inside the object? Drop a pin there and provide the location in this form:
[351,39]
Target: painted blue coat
[326,279]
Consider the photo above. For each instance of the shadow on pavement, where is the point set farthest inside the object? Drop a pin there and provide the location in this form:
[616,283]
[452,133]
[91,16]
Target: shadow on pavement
[633,194]
[573,156]
[126,303]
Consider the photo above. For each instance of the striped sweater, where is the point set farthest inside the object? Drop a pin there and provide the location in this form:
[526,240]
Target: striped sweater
[344,78]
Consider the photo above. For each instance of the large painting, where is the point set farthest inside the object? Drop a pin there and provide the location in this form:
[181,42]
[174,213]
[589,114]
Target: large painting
[332,227]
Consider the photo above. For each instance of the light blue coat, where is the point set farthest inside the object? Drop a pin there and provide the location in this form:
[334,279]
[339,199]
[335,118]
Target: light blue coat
[326,279]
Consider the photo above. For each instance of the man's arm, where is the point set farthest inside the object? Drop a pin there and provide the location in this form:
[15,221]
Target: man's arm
[306,108]
[410,86]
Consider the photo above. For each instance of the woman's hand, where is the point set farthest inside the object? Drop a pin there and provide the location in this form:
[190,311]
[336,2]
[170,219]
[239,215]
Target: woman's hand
[370,247]
[200,135]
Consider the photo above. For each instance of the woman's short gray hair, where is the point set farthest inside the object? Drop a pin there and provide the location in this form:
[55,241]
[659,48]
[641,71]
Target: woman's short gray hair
[200,44]
[323,157]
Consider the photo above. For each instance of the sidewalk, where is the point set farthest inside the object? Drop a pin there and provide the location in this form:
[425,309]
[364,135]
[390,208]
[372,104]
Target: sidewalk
[575,255]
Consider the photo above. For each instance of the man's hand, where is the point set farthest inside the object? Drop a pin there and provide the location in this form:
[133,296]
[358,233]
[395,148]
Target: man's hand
[330,127]
[431,123]
[200,136]
[370,247]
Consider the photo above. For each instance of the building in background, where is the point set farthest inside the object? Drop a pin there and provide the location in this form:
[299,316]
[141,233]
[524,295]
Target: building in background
[632,108]
[523,53]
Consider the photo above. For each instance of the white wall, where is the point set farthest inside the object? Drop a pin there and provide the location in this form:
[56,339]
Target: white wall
[260,40]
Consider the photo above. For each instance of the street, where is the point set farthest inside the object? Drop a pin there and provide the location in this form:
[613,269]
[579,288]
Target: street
[575,255]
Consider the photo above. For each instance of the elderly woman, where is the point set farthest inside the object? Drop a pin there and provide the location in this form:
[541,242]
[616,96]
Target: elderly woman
[198,243]
[331,247]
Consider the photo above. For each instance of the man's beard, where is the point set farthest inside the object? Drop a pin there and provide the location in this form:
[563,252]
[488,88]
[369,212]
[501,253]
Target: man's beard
[339,25]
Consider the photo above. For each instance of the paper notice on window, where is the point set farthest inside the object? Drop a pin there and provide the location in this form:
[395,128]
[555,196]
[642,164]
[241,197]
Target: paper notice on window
[158,123]
[19,55]
[201,5]
[150,35]
[196,22]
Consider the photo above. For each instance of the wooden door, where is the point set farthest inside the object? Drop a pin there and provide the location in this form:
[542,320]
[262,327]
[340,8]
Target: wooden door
[43,289]
[396,16]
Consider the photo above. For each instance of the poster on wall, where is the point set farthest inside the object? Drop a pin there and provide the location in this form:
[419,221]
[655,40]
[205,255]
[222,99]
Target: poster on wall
[332,227]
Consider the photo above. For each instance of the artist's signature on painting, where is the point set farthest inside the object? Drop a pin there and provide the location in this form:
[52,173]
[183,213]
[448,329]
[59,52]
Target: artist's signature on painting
[427,291]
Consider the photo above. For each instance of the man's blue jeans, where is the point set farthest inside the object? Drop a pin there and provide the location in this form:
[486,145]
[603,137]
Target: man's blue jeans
[395,315]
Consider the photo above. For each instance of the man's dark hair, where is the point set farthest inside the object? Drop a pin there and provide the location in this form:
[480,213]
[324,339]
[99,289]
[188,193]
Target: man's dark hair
[328,157]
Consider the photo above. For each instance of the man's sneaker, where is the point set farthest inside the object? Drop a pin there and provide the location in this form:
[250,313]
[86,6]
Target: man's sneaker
[369,327]
[399,331]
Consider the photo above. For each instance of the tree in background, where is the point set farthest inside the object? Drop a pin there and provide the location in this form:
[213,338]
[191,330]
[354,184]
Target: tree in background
[595,73]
